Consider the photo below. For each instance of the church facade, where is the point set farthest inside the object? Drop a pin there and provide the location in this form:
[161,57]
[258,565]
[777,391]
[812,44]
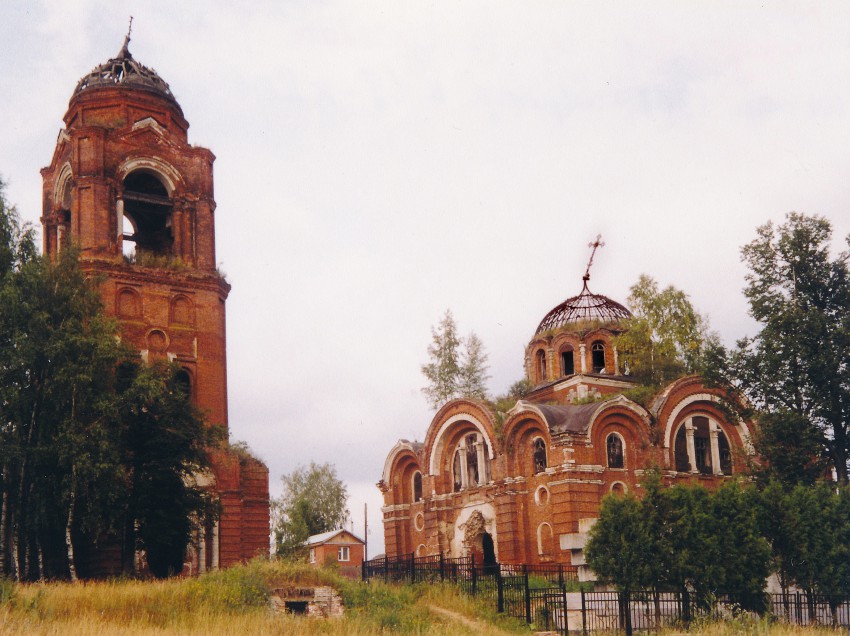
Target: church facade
[129,191]
[525,486]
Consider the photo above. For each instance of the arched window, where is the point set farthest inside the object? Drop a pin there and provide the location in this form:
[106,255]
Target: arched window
[417,486]
[597,353]
[183,382]
[541,366]
[568,366]
[614,446]
[147,210]
[680,451]
[545,540]
[709,447]
[471,465]
[618,488]
[472,472]
[63,229]
[539,455]
[725,454]
[457,473]
[181,311]
[129,303]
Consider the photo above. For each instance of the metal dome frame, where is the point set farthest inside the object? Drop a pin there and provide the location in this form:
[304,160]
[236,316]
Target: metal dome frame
[586,307]
[123,70]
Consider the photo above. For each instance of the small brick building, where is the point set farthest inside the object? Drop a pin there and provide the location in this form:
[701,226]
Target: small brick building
[339,547]
[525,486]
[129,190]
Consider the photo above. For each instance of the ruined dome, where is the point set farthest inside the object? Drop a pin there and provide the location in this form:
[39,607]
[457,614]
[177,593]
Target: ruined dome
[586,307]
[123,71]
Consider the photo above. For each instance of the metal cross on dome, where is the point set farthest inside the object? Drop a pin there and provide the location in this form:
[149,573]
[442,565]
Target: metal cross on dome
[596,244]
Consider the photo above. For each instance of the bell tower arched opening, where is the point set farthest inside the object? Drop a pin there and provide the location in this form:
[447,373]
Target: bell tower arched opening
[146,225]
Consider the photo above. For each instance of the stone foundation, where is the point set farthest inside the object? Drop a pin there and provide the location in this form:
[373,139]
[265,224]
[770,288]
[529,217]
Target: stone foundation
[317,602]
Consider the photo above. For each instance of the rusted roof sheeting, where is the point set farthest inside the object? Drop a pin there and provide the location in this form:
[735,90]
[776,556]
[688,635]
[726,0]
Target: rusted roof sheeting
[568,418]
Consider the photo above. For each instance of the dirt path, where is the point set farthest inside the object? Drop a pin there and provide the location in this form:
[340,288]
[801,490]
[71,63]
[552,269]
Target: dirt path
[478,627]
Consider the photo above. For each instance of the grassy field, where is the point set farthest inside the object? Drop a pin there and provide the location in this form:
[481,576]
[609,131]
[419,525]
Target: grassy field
[236,601]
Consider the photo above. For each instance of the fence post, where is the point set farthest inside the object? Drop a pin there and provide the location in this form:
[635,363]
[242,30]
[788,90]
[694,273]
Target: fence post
[474,575]
[442,571]
[583,613]
[686,607]
[413,567]
[527,593]
[500,592]
[566,615]
[561,576]
[386,569]
[363,571]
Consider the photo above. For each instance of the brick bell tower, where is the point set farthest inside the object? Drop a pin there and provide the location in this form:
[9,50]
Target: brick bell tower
[127,189]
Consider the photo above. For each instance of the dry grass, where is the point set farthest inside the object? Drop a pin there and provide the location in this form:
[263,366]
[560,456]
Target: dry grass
[757,628]
[236,601]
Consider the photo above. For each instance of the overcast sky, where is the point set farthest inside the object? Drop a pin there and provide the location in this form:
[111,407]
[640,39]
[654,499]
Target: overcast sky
[380,162]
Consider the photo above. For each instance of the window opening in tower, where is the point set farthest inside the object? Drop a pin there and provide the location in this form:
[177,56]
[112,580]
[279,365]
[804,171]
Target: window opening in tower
[147,208]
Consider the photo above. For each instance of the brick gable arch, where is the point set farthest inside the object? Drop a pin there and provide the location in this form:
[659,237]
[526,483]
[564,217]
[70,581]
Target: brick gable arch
[474,414]
[519,434]
[471,471]
[623,410]
[623,427]
[406,466]
[170,176]
[402,453]
[688,395]
[703,415]
[62,187]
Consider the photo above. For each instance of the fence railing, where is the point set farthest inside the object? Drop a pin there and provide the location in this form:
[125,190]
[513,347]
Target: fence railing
[538,594]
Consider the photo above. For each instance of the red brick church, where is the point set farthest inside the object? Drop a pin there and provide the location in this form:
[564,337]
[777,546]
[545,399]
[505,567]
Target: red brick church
[525,486]
[129,190]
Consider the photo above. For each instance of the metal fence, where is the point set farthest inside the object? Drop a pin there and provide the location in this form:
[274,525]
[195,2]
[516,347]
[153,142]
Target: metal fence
[538,594]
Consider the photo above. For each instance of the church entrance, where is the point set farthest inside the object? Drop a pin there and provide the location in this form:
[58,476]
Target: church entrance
[489,550]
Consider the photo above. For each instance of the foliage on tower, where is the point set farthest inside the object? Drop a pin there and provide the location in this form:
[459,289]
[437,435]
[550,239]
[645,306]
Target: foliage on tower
[665,336]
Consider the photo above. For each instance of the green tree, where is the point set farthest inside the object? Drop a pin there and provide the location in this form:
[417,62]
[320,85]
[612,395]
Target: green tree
[817,523]
[472,379]
[457,368]
[627,547]
[797,363]
[790,449]
[56,364]
[17,240]
[665,337]
[74,431]
[507,400]
[682,538]
[313,501]
[165,446]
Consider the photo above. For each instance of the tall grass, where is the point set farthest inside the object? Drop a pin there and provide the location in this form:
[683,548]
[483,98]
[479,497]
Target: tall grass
[236,602]
[233,601]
